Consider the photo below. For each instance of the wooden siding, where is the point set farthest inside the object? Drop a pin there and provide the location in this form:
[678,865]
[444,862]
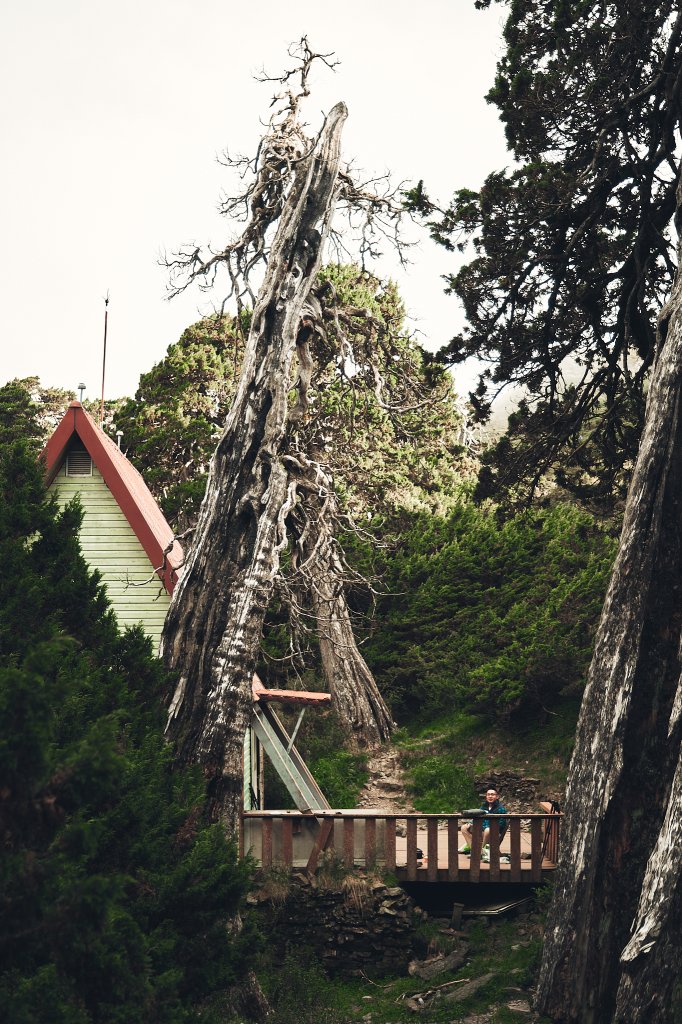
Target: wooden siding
[109,544]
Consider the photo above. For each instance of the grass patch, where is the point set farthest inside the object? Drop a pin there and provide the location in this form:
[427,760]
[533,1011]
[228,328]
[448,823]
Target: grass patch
[457,725]
[341,776]
[442,758]
[300,992]
[440,786]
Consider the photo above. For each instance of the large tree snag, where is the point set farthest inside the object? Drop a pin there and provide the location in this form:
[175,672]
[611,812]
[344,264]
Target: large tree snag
[614,936]
[355,694]
[212,633]
[321,576]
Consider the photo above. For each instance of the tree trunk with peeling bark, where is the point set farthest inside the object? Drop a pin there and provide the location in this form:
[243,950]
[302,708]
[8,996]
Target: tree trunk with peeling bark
[355,695]
[212,633]
[613,941]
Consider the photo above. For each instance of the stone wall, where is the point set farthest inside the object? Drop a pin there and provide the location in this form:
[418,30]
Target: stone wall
[354,925]
[518,793]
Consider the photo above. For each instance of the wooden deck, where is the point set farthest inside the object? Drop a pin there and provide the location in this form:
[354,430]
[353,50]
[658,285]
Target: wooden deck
[529,851]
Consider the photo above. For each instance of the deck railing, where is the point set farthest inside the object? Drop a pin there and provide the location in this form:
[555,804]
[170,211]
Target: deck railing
[412,846]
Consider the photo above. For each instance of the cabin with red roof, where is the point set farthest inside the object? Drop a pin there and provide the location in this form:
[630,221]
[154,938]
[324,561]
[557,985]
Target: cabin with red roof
[124,533]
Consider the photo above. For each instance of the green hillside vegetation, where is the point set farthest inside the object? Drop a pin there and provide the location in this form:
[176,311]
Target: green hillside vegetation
[489,616]
[480,639]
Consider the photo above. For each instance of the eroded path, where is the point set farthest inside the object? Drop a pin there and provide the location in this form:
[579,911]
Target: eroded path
[385,789]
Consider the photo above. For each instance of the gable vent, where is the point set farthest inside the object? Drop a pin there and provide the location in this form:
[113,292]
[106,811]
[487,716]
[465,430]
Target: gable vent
[78,462]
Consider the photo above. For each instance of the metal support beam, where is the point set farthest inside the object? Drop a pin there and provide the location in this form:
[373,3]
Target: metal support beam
[287,761]
[296,728]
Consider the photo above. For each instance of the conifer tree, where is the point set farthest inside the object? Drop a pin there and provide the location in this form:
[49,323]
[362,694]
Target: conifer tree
[30,410]
[571,249]
[114,896]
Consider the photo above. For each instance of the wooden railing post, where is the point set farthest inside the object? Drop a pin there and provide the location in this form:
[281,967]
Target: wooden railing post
[453,847]
[432,849]
[536,826]
[515,849]
[287,842]
[476,848]
[412,849]
[389,844]
[494,848]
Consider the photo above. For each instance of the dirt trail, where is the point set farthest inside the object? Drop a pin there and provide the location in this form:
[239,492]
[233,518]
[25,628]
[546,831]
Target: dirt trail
[385,788]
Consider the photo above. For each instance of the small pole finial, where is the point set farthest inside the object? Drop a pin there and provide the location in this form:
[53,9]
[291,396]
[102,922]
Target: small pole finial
[81,388]
[104,357]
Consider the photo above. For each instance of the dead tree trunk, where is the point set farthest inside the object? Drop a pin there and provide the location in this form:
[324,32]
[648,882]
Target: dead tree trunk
[212,633]
[614,935]
[361,709]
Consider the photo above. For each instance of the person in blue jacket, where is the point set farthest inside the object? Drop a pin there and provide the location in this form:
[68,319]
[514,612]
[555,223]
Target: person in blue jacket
[492,805]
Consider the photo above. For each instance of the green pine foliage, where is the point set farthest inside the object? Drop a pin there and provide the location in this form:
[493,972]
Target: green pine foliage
[114,896]
[389,426]
[30,410]
[402,451]
[488,616]
[171,428]
[570,249]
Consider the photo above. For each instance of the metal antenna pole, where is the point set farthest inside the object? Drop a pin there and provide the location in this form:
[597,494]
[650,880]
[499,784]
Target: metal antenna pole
[104,359]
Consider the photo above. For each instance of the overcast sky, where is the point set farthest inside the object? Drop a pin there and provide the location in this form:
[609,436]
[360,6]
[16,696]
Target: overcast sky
[113,114]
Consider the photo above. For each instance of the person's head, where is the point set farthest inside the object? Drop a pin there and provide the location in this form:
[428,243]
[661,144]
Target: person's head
[491,795]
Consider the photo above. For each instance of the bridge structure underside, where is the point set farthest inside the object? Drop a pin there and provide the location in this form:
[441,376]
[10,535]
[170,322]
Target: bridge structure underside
[412,847]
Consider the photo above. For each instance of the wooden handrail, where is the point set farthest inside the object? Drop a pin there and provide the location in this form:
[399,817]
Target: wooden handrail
[369,813]
[364,838]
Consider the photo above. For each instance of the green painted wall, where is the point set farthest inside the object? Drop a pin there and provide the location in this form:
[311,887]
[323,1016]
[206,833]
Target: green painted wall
[110,545]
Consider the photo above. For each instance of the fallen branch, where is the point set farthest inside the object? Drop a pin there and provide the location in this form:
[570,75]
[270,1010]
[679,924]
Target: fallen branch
[416,998]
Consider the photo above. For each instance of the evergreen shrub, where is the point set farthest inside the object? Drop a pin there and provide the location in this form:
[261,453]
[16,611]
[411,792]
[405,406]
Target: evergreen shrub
[114,896]
[488,616]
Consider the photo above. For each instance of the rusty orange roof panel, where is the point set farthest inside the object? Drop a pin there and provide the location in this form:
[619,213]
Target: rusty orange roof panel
[305,697]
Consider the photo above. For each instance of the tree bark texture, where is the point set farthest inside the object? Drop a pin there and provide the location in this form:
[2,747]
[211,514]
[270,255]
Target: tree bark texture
[212,633]
[355,695]
[614,936]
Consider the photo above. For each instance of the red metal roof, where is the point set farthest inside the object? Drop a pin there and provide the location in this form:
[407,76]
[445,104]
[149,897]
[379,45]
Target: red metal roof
[125,483]
[305,697]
